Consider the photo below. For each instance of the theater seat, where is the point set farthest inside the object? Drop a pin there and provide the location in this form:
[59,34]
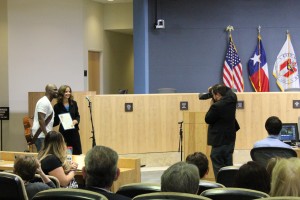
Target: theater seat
[37,178]
[12,187]
[67,193]
[170,195]
[135,189]
[281,198]
[226,175]
[233,194]
[205,185]
[262,155]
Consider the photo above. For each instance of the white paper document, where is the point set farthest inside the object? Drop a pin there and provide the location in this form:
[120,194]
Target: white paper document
[66,121]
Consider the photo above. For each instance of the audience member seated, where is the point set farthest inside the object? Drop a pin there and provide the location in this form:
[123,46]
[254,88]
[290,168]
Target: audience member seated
[200,160]
[26,167]
[271,164]
[180,177]
[285,179]
[253,176]
[273,126]
[101,170]
[53,158]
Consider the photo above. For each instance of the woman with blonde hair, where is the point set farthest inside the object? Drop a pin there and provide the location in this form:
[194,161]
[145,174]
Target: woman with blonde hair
[285,178]
[271,164]
[53,158]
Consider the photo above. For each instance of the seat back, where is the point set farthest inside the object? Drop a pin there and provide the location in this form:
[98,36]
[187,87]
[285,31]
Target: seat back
[233,194]
[135,189]
[226,175]
[281,198]
[67,193]
[123,91]
[37,178]
[166,90]
[170,195]
[27,123]
[12,187]
[205,185]
[262,155]
[292,90]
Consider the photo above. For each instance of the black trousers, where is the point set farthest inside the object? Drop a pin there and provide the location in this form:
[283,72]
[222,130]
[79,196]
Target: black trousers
[221,156]
[72,138]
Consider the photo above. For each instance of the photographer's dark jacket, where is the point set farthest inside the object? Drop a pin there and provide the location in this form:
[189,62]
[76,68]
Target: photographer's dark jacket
[221,119]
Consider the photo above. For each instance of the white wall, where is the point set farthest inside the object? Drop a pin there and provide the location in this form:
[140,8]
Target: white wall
[94,34]
[47,41]
[3,65]
[3,54]
[94,25]
[118,45]
[45,45]
[47,38]
[119,57]
[118,16]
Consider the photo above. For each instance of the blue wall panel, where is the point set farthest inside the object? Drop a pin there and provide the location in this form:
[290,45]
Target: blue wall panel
[189,53]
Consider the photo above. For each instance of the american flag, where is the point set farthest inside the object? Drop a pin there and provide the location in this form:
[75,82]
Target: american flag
[232,69]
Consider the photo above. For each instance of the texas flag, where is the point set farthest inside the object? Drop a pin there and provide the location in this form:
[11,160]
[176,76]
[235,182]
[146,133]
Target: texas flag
[258,68]
[285,68]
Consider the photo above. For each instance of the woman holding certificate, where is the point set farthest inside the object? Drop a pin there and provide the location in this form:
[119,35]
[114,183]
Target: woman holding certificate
[67,115]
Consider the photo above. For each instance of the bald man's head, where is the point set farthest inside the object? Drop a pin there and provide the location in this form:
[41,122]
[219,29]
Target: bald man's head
[51,91]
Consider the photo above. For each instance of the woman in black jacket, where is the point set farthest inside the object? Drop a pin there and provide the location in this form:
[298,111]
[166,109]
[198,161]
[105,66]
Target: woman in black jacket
[66,104]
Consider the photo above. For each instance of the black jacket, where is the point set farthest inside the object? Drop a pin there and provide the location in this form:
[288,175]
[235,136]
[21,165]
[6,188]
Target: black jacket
[59,108]
[221,119]
[109,195]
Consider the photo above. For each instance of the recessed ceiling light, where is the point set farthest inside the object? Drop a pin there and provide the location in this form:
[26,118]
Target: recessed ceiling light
[110,0]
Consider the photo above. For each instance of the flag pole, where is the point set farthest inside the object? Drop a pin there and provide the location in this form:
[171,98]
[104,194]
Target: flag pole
[259,63]
[289,59]
[230,28]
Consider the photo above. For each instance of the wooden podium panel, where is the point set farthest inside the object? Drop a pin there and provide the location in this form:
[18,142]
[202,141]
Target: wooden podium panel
[153,124]
[195,137]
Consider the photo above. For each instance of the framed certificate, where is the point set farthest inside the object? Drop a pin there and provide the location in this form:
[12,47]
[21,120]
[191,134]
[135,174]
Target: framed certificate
[66,121]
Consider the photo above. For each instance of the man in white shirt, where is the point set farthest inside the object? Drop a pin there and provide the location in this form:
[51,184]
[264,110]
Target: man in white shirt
[273,126]
[43,110]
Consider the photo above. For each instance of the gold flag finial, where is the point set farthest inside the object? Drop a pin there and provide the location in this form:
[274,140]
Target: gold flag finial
[229,28]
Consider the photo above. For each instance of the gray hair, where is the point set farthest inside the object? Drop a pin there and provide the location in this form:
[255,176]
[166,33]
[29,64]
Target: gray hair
[180,177]
[101,166]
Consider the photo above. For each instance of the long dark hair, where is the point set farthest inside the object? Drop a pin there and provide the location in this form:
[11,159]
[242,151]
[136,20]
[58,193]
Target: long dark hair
[253,176]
